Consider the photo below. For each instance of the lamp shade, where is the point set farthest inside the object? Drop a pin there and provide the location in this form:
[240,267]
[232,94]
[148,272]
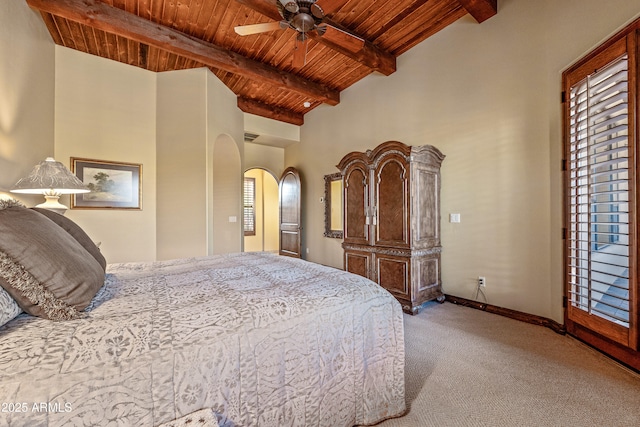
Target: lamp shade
[50,176]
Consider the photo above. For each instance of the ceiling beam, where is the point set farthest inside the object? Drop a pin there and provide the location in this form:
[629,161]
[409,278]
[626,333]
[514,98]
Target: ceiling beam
[481,10]
[110,19]
[260,109]
[369,54]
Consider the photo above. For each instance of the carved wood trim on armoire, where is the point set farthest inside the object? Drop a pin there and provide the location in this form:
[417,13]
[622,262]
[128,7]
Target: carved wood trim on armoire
[392,220]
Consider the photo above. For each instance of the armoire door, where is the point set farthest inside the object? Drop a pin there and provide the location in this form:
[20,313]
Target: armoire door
[359,262]
[356,204]
[290,206]
[425,207]
[391,202]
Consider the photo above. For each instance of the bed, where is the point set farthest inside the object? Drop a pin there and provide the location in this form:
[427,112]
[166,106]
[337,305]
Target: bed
[257,339]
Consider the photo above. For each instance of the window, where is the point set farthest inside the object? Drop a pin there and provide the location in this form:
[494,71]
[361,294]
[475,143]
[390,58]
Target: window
[249,206]
[599,193]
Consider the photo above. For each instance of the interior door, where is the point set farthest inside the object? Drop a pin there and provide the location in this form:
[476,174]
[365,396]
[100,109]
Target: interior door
[290,207]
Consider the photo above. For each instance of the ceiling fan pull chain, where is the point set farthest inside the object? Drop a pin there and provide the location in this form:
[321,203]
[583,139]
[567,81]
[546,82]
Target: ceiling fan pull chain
[306,49]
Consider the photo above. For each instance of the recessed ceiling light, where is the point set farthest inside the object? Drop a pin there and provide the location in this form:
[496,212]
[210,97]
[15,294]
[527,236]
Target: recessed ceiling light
[306,104]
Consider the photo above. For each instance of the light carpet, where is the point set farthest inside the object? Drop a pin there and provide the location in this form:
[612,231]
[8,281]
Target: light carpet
[466,367]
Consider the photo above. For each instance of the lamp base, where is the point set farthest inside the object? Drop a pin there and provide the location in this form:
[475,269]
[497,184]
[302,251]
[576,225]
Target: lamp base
[53,204]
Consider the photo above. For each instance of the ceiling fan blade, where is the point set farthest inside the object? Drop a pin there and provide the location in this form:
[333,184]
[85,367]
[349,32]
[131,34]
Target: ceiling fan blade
[300,54]
[245,30]
[330,6]
[342,38]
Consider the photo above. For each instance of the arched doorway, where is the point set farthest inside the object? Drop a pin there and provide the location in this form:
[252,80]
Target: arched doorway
[260,211]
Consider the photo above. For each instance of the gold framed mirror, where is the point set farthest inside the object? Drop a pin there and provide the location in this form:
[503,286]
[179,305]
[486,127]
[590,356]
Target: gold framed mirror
[333,225]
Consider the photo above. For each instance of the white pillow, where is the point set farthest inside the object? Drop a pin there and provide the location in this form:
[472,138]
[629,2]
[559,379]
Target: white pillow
[9,308]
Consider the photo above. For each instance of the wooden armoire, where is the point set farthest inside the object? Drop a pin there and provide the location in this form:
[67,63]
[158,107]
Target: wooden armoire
[392,220]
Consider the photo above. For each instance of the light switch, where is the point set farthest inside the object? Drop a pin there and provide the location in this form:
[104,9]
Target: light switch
[454,217]
[233,219]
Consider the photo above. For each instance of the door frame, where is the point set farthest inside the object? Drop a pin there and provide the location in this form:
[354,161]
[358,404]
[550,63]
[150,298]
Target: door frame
[290,210]
[262,219]
[582,326]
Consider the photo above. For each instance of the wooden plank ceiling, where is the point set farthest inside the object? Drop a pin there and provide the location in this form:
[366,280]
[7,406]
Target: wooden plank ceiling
[362,37]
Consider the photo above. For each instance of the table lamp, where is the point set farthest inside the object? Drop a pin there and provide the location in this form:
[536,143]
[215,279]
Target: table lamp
[52,179]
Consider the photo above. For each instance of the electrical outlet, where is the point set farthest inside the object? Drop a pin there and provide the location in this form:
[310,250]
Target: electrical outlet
[482,281]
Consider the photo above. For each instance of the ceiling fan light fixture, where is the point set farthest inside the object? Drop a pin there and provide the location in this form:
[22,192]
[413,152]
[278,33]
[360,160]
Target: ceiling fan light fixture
[303,22]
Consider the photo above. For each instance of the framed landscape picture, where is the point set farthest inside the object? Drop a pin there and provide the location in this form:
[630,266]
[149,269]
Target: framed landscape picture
[113,185]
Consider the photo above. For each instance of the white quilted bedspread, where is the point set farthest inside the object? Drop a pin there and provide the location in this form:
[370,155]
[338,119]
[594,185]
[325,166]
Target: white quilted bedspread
[263,340]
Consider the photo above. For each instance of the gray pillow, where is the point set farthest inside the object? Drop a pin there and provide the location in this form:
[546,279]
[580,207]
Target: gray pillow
[9,308]
[46,271]
[76,232]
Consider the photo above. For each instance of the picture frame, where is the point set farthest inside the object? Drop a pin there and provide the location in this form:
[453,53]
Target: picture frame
[114,185]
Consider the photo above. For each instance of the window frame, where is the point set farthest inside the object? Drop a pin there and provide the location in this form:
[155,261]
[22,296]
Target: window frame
[251,207]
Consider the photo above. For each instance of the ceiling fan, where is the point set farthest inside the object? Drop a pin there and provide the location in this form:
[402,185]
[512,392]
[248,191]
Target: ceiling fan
[307,18]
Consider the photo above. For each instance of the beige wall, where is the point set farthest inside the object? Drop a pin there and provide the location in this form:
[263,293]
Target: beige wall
[271,132]
[271,213]
[176,125]
[181,145]
[199,165]
[488,96]
[265,157]
[225,152]
[27,87]
[226,208]
[105,110]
